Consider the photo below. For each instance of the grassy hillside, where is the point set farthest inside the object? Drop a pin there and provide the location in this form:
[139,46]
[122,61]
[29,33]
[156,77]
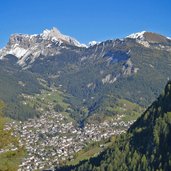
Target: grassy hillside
[10,153]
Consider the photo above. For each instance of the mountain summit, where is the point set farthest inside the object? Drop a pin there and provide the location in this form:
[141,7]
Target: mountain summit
[28,47]
[55,35]
[149,37]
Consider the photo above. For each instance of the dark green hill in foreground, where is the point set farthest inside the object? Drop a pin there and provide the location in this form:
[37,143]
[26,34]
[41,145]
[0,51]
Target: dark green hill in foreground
[145,146]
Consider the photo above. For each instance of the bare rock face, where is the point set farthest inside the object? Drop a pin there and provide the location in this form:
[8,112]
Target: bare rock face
[28,47]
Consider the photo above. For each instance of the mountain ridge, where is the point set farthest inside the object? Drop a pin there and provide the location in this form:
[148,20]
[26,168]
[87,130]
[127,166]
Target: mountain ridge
[49,43]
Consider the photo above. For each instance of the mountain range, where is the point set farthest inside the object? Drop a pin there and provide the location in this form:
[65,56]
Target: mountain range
[95,77]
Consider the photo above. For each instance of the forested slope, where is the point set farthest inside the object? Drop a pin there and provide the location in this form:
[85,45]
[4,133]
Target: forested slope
[145,146]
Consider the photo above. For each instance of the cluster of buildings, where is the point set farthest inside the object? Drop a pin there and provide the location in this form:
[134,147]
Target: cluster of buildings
[52,138]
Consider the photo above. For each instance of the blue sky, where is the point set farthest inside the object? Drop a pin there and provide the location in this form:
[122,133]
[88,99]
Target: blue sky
[85,20]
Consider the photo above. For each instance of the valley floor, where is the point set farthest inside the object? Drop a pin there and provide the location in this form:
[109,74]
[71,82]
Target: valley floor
[52,139]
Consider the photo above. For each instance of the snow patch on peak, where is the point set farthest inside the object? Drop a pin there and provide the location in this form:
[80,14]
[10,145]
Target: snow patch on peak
[18,51]
[140,38]
[92,43]
[139,35]
[55,35]
[45,33]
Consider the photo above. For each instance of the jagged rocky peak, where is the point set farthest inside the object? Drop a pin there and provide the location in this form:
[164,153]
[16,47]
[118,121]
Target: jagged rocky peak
[55,35]
[23,40]
[28,47]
